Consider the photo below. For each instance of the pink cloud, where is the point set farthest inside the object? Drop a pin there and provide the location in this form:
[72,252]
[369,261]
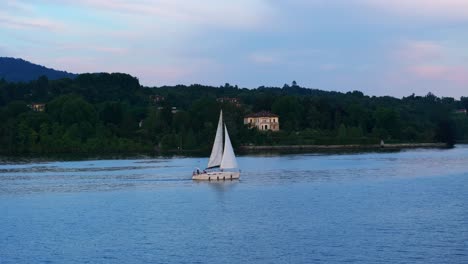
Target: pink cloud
[430,60]
[422,66]
[244,14]
[96,48]
[18,15]
[456,74]
[420,50]
[447,9]
[30,23]
[429,71]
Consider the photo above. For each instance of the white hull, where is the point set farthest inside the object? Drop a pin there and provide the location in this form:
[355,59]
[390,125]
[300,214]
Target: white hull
[217,176]
[221,157]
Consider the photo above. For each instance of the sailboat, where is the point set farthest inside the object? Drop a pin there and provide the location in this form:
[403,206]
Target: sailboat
[222,164]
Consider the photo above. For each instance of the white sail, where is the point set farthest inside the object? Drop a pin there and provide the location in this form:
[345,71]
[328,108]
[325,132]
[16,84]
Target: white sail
[229,158]
[217,151]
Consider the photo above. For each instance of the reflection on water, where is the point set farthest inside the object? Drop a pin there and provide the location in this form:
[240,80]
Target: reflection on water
[391,207]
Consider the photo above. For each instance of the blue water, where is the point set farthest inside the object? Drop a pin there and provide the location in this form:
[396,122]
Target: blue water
[401,207]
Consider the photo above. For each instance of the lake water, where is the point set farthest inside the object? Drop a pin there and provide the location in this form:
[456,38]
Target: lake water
[399,207]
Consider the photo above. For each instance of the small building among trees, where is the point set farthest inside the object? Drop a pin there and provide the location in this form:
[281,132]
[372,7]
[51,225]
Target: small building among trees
[157,98]
[37,107]
[262,121]
[231,100]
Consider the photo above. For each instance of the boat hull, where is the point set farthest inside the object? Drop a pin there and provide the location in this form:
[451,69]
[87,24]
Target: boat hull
[217,176]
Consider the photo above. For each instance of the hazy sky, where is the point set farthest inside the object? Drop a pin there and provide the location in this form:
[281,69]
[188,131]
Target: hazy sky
[381,47]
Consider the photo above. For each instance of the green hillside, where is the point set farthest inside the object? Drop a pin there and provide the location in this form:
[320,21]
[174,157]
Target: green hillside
[113,113]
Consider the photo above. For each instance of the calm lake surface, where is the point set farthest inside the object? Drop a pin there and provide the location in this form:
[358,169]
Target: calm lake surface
[400,207]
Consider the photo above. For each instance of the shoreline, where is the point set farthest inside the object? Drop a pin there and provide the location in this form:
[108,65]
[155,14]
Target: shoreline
[341,147]
[201,153]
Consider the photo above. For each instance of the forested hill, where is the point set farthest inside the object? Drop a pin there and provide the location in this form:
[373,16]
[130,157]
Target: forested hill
[113,113]
[19,70]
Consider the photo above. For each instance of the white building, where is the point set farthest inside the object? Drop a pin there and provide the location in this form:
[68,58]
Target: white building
[263,121]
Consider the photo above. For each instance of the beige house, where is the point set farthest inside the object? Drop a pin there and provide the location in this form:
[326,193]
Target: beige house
[263,121]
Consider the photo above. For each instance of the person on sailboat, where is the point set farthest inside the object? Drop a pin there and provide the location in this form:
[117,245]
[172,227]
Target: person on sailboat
[222,157]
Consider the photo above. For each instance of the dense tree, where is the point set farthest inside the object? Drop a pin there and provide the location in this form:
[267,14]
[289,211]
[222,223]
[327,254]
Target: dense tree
[114,113]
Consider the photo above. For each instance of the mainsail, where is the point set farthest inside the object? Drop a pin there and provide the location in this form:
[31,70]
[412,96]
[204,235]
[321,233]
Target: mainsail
[217,151]
[229,158]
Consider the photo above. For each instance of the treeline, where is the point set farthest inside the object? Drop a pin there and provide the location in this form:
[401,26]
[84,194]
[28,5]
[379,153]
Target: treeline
[114,113]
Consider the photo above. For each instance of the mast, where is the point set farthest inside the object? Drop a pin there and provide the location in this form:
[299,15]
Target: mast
[229,158]
[217,150]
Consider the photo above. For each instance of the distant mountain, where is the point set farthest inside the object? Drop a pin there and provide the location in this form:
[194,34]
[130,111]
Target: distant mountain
[19,70]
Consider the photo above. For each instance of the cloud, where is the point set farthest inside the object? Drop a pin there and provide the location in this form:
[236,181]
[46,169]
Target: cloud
[283,56]
[427,65]
[432,60]
[262,58]
[188,70]
[16,22]
[447,9]
[75,64]
[429,71]
[244,14]
[18,15]
[329,67]
[17,6]
[419,50]
[456,74]
[329,44]
[114,50]
[421,9]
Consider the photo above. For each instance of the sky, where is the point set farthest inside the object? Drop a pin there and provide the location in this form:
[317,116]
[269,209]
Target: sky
[379,47]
